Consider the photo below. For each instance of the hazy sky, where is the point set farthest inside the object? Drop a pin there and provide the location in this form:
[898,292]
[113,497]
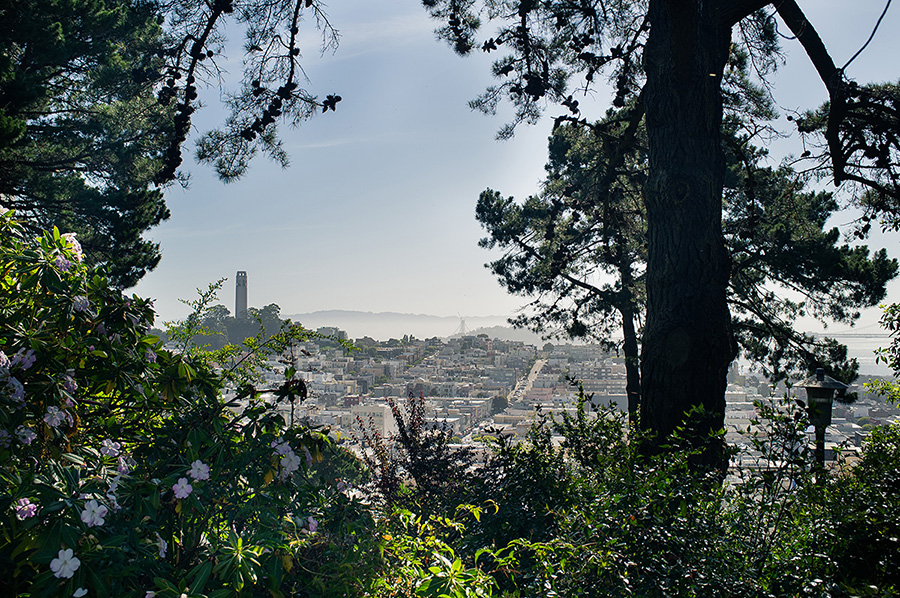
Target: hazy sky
[376,211]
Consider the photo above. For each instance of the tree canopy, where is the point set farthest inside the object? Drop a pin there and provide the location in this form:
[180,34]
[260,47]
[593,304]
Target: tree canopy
[673,62]
[97,99]
[579,251]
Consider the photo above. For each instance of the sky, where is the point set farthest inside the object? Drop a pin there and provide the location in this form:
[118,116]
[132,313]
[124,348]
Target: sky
[376,211]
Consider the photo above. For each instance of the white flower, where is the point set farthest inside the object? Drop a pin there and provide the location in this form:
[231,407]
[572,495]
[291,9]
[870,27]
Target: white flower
[93,513]
[150,594]
[199,470]
[65,564]
[54,416]
[110,448]
[182,489]
[75,245]
[290,462]
[79,593]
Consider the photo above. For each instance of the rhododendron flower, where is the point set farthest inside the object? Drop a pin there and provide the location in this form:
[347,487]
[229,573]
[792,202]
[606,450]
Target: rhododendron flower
[312,524]
[199,471]
[81,303]
[110,448]
[163,547]
[182,489]
[93,513]
[69,385]
[75,245]
[17,391]
[25,509]
[65,564]
[290,463]
[281,447]
[124,465]
[54,416]
[26,435]
[62,263]
[23,359]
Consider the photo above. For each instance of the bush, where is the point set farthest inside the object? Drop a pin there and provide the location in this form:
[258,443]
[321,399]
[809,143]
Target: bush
[124,471]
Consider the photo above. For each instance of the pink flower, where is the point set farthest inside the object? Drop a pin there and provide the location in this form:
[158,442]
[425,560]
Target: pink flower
[62,263]
[24,359]
[25,509]
[124,465]
[65,564]
[74,245]
[93,513]
[17,392]
[312,524]
[81,303]
[26,435]
[199,471]
[54,417]
[281,447]
[290,463]
[182,488]
[110,448]
[163,546]
[69,384]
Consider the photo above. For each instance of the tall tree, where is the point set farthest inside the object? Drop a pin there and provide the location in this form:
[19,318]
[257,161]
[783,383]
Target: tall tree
[579,248]
[672,56]
[97,99]
[81,133]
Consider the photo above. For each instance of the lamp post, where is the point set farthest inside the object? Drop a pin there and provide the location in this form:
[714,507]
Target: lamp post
[819,398]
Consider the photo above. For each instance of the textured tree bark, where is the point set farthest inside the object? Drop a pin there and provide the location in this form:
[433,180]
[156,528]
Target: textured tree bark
[688,343]
[632,364]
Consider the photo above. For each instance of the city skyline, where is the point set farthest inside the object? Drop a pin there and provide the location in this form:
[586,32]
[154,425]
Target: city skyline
[376,212]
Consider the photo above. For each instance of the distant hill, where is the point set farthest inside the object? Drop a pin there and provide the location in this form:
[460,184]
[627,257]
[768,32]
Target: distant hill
[385,325]
[508,333]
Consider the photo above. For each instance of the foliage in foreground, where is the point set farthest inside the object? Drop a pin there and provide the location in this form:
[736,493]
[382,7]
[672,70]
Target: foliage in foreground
[124,471]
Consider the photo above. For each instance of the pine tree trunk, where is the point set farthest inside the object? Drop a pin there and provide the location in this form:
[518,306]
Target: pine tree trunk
[688,343]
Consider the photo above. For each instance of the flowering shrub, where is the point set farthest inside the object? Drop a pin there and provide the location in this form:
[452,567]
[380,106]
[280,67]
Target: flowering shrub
[123,471]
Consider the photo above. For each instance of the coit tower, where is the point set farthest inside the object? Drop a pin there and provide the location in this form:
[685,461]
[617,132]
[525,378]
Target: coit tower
[240,294]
